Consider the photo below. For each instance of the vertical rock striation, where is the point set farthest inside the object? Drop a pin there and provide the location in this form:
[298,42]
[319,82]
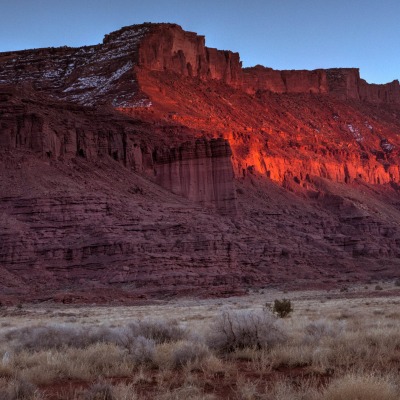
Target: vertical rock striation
[200,171]
[169,47]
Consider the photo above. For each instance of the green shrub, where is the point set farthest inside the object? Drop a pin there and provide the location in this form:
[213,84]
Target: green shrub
[282,308]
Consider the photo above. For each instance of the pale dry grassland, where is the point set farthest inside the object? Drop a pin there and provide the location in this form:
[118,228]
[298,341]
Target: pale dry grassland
[336,345]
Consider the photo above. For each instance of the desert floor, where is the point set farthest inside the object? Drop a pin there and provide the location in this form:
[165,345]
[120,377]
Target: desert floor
[336,344]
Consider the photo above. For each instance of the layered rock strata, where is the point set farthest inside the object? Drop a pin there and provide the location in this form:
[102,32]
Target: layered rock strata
[170,48]
[200,171]
[140,197]
[345,83]
[106,73]
[302,81]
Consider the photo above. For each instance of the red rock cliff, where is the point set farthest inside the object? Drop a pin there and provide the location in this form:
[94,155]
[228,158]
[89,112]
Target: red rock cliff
[106,73]
[80,208]
[169,47]
[200,171]
[345,83]
[261,78]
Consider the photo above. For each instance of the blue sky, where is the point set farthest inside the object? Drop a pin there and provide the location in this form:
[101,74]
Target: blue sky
[282,34]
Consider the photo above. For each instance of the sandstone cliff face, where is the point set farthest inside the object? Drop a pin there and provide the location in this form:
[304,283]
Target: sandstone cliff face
[64,230]
[83,227]
[169,47]
[261,78]
[296,171]
[287,137]
[200,171]
[388,93]
[106,73]
[63,132]
[345,83]
[141,196]
[342,83]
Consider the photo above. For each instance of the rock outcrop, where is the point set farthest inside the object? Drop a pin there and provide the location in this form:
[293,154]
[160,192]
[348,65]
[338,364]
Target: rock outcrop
[200,171]
[89,75]
[302,81]
[57,131]
[153,165]
[345,83]
[169,47]
[106,73]
[342,83]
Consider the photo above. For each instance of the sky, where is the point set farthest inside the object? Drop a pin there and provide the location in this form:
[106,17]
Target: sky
[281,34]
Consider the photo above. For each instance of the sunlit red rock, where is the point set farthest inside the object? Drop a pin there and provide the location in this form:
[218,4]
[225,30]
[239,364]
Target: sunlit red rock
[151,165]
[261,78]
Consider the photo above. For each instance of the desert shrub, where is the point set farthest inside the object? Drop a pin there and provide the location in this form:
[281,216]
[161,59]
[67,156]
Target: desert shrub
[57,336]
[378,287]
[100,334]
[397,282]
[99,359]
[124,391]
[286,390]
[157,331]
[365,387]
[103,359]
[186,352]
[18,389]
[238,330]
[247,390]
[143,350]
[160,331]
[48,337]
[282,308]
[6,365]
[321,328]
[180,354]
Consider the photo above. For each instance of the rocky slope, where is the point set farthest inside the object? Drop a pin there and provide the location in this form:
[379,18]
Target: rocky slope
[151,165]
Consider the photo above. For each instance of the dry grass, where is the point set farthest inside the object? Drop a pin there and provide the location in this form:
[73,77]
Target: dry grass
[18,389]
[366,387]
[329,349]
